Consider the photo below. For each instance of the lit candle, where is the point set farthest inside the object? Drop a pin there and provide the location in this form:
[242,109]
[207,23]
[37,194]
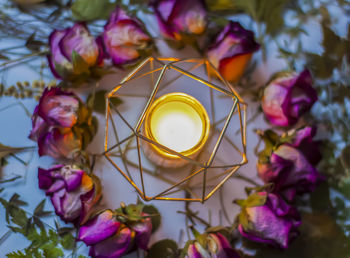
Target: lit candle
[179,122]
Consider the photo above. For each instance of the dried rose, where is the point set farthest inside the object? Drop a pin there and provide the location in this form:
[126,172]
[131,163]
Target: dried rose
[212,244]
[61,124]
[290,162]
[125,39]
[267,218]
[113,234]
[73,192]
[287,97]
[179,17]
[231,51]
[73,51]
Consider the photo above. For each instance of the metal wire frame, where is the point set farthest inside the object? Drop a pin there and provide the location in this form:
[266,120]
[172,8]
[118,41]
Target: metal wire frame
[238,106]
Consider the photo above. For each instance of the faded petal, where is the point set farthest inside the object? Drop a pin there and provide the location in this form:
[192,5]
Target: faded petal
[232,50]
[274,223]
[99,228]
[178,16]
[38,126]
[115,246]
[287,98]
[59,144]
[58,107]
[56,56]
[124,38]
[143,232]
[79,39]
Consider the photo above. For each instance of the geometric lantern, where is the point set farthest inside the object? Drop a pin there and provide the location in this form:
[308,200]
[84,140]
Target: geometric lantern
[126,142]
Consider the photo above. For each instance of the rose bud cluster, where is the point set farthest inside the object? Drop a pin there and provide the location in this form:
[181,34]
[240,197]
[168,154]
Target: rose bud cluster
[74,52]
[125,39]
[209,244]
[116,233]
[287,97]
[179,19]
[61,124]
[267,218]
[72,191]
[232,50]
[289,162]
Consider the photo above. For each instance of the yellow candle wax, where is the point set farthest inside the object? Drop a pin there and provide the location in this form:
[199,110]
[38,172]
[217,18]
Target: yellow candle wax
[179,122]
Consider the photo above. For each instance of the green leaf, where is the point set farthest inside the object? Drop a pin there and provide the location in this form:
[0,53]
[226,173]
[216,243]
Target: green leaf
[155,216]
[53,252]
[39,208]
[14,200]
[88,10]
[243,219]
[80,66]
[33,44]
[98,101]
[166,248]
[68,241]
[255,199]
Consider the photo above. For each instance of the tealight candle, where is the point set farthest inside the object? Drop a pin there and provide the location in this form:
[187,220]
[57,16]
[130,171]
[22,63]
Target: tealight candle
[179,122]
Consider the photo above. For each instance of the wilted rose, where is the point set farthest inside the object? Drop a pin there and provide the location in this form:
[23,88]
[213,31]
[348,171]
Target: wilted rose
[287,97]
[125,39]
[61,124]
[107,236]
[212,244]
[231,51]
[73,192]
[73,51]
[290,165]
[267,218]
[179,17]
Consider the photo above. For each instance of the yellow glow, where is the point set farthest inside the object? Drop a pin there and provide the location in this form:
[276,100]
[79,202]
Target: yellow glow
[179,122]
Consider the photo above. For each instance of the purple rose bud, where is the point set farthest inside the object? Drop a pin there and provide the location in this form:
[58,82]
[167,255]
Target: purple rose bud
[305,143]
[231,51]
[101,227]
[70,189]
[54,121]
[116,246]
[176,17]
[110,238]
[143,230]
[291,168]
[124,38]
[274,223]
[65,43]
[288,97]
[107,236]
[217,246]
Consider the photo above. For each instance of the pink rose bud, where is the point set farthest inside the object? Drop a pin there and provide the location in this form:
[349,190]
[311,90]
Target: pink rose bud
[125,39]
[56,121]
[68,45]
[288,97]
[176,17]
[73,192]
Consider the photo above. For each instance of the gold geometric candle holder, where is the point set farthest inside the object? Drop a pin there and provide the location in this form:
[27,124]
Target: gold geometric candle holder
[225,149]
